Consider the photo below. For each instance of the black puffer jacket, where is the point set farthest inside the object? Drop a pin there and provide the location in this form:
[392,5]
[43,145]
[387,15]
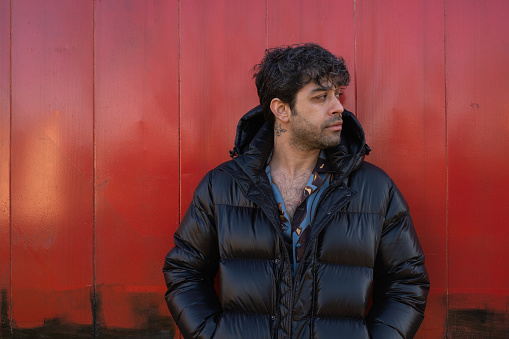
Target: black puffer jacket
[362,240]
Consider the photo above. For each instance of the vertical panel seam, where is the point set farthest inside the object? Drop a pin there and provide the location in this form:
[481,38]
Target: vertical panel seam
[94,173]
[355,56]
[179,88]
[179,104]
[10,169]
[446,178]
[266,24]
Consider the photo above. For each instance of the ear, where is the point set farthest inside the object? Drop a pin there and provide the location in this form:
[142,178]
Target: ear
[280,110]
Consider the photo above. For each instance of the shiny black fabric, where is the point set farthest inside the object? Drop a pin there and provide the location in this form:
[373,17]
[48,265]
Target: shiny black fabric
[362,240]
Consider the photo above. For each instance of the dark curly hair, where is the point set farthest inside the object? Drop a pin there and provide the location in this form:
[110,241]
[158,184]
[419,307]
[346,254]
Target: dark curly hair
[285,70]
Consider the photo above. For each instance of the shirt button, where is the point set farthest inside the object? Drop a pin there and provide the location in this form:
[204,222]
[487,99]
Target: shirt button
[273,317]
[276,261]
[329,212]
[298,245]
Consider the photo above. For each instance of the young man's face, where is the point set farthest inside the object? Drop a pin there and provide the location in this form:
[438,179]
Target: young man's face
[315,122]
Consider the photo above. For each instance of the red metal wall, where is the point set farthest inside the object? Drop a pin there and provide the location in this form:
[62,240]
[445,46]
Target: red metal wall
[112,111]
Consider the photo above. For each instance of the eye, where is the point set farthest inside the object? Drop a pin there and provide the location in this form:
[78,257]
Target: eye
[321,97]
[338,94]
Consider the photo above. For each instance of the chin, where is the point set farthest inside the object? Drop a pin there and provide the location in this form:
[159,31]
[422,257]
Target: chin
[331,143]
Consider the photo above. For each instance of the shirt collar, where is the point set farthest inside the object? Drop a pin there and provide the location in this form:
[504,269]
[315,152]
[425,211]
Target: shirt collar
[322,164]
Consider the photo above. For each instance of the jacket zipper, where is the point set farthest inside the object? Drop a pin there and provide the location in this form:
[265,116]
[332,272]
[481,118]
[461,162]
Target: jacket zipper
[283,249]
[322,198]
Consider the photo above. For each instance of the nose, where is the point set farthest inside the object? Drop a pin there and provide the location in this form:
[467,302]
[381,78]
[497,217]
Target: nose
[336,107]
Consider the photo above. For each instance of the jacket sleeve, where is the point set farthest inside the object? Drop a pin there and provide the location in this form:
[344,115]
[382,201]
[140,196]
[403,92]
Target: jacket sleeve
[190,267]
[401,282]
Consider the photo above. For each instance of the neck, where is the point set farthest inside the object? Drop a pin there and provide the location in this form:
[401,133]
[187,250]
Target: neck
[290,160]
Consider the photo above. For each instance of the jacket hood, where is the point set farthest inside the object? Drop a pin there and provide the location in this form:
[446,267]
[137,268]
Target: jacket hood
[255,138]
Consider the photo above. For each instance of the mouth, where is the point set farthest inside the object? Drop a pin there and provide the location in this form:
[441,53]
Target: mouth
[337,126]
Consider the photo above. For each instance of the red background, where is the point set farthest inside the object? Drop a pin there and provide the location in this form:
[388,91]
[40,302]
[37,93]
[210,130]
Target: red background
[112,111]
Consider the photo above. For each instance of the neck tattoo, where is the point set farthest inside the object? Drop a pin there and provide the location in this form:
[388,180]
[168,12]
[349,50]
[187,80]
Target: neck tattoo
[279,130]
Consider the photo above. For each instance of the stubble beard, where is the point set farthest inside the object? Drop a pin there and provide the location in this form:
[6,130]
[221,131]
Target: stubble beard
[306,136]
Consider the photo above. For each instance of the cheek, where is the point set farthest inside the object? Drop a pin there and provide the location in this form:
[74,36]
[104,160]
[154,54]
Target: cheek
[307,124]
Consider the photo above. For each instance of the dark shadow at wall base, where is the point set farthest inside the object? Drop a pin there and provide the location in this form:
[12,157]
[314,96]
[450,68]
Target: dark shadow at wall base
[55,328]
[478,324]
[5,327]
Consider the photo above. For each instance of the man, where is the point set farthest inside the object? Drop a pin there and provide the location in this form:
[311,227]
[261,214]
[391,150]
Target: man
[300,229]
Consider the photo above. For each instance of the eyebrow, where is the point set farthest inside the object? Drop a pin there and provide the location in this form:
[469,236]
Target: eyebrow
[325,88]
[321,89]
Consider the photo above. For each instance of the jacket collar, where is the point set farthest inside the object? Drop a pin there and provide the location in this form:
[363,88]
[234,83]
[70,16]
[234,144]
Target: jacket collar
[254,141]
